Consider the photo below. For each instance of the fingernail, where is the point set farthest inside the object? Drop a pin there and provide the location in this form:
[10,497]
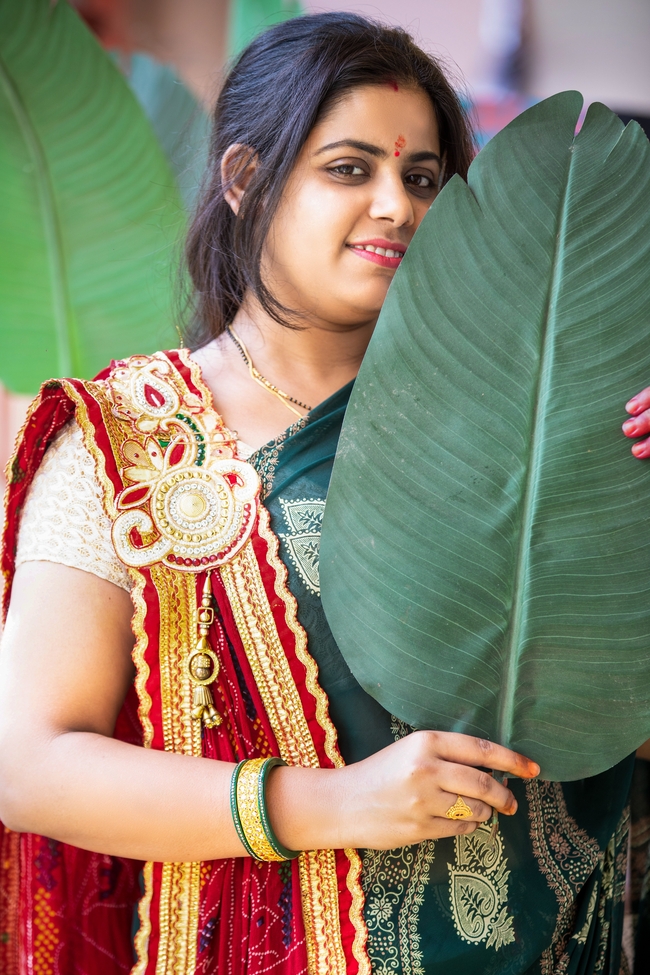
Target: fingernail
[632,406]
[639,450]
[512,808]
[533,769]
[630,427]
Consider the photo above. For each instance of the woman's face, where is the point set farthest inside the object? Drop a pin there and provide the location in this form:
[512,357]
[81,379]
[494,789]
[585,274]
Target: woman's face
[362,184]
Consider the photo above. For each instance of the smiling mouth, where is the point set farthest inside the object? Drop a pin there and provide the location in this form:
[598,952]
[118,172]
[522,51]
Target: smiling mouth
[385,256]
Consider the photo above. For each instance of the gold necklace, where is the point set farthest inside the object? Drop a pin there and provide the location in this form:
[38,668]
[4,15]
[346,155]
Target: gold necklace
[259,378]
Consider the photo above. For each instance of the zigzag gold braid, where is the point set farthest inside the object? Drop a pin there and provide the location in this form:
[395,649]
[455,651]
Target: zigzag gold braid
[272,673]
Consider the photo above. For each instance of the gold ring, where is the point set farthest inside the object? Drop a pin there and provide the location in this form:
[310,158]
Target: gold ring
[459,810]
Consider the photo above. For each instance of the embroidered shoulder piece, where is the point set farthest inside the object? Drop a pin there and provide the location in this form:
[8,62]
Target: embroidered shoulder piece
[188,502]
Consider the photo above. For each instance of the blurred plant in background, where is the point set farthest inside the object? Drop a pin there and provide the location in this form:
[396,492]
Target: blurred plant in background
[96,183]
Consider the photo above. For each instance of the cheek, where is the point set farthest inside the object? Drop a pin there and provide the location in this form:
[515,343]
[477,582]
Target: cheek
[308,247]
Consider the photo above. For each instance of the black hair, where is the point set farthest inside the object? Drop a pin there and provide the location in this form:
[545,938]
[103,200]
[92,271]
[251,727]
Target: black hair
[277,90]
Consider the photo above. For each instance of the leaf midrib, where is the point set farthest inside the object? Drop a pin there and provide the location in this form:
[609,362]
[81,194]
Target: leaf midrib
[61,303]
[518,618]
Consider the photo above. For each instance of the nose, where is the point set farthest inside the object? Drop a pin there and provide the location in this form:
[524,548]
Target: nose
[391,200]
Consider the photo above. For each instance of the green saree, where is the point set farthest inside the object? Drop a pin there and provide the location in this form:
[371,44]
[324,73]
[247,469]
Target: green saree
[547,897]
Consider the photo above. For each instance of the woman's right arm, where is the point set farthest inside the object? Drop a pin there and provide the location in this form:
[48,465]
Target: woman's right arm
[65,668]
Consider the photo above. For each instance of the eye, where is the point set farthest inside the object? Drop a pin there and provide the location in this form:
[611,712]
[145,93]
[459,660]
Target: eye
[420,181]
[347,169]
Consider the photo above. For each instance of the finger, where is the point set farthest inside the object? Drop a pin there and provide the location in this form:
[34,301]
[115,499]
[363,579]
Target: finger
[452,827]
[467,750]
[476,786]
[638,426]
[481,811]
[639,403]
[641,449]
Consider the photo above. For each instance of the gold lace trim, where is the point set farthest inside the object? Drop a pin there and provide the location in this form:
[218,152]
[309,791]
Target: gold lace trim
[179,918]
[141,941]
[142,670]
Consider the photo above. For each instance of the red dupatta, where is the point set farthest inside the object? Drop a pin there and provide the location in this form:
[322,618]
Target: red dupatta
[149,423]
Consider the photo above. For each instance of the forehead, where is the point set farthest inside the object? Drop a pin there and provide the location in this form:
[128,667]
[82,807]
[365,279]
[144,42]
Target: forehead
[380,114]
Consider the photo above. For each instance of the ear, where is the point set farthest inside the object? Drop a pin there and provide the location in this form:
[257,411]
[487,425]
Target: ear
[238,165]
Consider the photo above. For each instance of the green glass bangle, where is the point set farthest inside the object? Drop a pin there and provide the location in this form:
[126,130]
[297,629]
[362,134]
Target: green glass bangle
[234,811]
[281,850]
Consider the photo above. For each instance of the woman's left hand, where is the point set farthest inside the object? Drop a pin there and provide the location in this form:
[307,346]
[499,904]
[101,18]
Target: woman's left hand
[639,424]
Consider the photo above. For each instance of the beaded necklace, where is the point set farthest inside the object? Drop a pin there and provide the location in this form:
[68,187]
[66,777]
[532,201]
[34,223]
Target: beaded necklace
[259,378]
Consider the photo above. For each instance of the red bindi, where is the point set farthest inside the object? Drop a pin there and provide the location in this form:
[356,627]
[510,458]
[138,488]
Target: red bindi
[400,142]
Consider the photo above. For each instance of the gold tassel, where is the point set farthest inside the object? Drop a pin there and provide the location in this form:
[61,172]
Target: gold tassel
[203,665]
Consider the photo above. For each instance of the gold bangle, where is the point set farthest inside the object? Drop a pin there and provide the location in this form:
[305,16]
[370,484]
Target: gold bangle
[247,789]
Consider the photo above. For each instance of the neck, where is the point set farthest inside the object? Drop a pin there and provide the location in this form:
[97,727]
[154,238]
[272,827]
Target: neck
[311,361]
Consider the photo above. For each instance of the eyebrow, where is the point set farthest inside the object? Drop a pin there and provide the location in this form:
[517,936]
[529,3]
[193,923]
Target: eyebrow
[376,151]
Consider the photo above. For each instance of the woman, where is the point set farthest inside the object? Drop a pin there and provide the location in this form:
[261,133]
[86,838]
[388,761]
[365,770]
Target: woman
[332,137]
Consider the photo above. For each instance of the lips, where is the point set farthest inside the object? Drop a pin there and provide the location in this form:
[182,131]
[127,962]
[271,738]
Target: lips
[386,253]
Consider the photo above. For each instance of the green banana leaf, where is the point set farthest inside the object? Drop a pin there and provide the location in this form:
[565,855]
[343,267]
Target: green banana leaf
[484,556]
[249,17]
[181,125]
[90,217]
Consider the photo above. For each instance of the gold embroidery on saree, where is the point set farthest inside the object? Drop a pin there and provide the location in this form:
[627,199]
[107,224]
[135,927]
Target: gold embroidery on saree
[304,519]
[478,889]
[566,855]
[394,882]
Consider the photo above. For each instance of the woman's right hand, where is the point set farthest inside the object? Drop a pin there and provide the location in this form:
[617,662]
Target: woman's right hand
[398,796]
